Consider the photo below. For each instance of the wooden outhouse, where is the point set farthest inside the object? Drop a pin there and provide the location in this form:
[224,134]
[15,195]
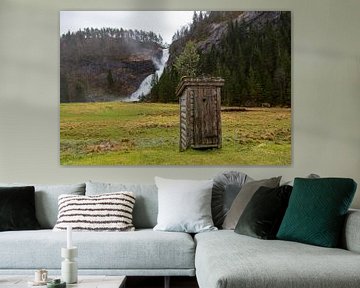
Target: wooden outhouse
[200,112]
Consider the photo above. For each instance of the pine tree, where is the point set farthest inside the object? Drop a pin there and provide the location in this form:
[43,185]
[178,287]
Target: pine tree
[187,62]
[110,80]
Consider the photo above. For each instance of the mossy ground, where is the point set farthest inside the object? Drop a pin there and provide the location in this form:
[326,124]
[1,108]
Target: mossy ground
[118,133]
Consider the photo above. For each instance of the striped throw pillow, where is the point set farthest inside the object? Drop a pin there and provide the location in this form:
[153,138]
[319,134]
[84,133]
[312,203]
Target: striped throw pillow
[105,212]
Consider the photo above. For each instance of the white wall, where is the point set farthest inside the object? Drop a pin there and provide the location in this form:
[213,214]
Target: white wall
[326,90]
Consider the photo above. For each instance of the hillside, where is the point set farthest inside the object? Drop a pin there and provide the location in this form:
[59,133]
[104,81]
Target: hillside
[251,50]
[105,64]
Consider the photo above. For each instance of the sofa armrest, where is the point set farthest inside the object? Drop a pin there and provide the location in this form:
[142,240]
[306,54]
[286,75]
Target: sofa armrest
[351,234]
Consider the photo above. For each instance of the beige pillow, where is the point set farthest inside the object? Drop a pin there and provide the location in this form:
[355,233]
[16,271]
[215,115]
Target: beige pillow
[243,198]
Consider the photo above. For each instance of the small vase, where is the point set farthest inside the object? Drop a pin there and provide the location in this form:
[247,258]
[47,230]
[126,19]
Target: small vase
[69,271]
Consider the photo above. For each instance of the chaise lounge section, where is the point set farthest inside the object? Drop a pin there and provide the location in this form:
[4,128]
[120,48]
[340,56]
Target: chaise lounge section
[225,259]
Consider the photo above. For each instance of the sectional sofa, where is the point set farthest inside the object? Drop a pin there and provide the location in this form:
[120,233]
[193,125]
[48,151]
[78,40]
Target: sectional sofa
[219,259]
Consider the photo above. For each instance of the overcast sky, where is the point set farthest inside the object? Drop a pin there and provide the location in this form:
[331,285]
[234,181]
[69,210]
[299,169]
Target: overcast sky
[164,23]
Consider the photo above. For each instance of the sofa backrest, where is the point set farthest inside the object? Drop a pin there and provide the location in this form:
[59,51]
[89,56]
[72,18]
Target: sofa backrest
[46,200]
[146,203]
[351,236]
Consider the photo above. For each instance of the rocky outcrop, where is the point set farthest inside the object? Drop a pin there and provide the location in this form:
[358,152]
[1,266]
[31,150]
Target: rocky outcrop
[217,30]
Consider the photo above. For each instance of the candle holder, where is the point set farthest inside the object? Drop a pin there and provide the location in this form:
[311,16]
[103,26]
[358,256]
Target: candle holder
[69,272]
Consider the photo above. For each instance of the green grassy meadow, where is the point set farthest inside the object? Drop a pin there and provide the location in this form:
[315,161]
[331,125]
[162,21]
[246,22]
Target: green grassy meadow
[119,133]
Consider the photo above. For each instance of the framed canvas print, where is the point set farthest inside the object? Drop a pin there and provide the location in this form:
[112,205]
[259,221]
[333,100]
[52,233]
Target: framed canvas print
[175,88]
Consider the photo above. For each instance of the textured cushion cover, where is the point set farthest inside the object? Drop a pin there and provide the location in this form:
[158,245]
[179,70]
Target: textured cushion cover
[46,200]
[243,198]
[184,205]
[17,208]
[226,187]
[263,215]
[142,249]
[351,236]
[311,176]
[316,211]
[225,259]
[146,205]
[106,212]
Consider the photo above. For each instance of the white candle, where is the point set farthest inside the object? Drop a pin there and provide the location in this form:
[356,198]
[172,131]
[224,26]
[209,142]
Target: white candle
[69,239]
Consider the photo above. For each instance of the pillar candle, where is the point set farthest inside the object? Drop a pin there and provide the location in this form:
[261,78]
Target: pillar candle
[69,237]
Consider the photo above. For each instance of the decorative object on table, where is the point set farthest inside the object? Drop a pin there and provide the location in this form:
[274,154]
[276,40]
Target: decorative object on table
[41,275]
[69,265]
[56,283]
[40,279]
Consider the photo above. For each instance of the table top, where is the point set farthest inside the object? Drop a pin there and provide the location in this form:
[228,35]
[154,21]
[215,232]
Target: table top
[84,281]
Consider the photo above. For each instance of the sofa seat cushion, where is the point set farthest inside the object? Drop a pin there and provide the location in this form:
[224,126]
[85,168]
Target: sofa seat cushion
[226,259]
[142,249]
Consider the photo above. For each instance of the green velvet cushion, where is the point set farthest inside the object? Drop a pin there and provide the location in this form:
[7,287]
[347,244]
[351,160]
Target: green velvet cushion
[316,211]
[17,208]
[263,215]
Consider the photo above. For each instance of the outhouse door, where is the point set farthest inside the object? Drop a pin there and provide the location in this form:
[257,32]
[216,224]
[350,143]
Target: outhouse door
[206,118]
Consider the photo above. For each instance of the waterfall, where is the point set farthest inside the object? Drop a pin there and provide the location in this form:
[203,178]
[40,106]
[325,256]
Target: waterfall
[145,86]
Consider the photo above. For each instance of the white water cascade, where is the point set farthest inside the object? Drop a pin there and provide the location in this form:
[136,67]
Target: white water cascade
[145,86]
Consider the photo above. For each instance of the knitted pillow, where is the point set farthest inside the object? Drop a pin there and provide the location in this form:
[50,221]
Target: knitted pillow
[105,212]
[317,210]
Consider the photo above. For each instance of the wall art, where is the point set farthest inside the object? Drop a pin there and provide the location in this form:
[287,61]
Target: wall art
[175,88]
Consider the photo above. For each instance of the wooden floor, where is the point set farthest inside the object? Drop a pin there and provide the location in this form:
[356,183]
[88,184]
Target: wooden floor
[158,282]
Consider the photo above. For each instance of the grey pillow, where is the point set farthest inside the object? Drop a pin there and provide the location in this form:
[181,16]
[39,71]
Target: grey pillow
[146,204]
[226,187]
[243,198]
[184,205]
[310,176]
[46,200]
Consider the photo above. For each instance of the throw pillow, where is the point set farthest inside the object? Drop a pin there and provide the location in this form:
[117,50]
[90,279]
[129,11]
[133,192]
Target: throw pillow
[263,215]
[17,208]
[184,205]
[226,187]
[146,205]
[106,212]
[317,209]
[243,198]
[311,176]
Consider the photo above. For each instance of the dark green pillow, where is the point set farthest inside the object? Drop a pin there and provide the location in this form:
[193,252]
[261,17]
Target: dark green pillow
[316,211]
[17,208]
[264,212]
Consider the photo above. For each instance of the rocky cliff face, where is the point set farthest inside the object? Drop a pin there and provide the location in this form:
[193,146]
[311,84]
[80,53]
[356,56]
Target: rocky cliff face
[104,68]
[216,31]
[210,32]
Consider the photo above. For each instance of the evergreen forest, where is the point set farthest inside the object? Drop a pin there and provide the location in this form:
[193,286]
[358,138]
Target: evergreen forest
[254,58]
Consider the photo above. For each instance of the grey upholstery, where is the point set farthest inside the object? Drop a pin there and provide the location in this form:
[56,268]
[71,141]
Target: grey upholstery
[226,259]
[142,250]
[223,259]
[351,233]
